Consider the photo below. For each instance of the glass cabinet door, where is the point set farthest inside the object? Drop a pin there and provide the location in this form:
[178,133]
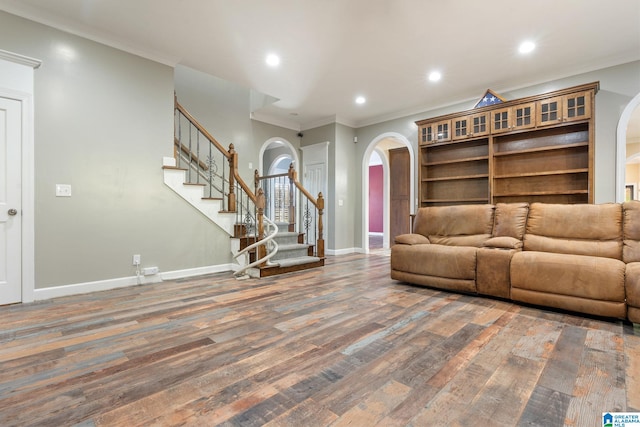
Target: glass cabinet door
[577,106]
[443,131]
[550,111]
[461,128]
[524,116]
[479,124]
[500,120]
[426,134]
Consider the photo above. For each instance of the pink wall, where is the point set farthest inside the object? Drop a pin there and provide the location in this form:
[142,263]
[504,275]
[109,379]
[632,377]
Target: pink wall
[375,198]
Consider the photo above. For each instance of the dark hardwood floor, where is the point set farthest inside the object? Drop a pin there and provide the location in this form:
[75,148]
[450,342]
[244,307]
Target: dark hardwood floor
[339,345]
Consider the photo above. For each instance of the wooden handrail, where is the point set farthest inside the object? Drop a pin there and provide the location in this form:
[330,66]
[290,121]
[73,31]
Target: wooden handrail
[293,175]
[233,164]
[278,175]
[202,130]
[231,155]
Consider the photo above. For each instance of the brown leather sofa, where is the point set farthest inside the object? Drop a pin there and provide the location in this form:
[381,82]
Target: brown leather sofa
[583,258]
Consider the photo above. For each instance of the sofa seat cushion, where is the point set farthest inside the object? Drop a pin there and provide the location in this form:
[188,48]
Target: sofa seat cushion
[594,278]
[632,283]
[411,239]
[435,260]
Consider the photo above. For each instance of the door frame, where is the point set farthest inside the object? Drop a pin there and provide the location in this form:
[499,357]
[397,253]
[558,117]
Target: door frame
[364,233]
[621,145]
[22,91]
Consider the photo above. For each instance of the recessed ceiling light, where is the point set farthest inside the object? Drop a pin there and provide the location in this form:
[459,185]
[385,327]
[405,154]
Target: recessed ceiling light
[434,76]
[273,60]
[361,100]
[527,47]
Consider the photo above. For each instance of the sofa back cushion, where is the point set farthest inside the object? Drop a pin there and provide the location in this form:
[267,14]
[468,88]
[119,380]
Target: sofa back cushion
[594,230]
[465,225]
[510,220]
[631,231]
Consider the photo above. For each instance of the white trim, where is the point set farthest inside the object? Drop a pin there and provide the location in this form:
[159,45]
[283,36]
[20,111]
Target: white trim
[272,166]
[621,144]
[26,98]
[197,271]
[20,59]
[28,201]
[320,152]
[275,121]
[365,184]
[347,251]
[294,153]
[122,282]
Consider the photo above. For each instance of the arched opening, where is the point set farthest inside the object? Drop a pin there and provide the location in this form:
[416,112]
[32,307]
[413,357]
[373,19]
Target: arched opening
[276,155]
[381,145]
[272,153]
[628,132]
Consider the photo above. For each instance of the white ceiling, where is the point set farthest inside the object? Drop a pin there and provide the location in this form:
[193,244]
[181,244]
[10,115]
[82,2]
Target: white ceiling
[334,50]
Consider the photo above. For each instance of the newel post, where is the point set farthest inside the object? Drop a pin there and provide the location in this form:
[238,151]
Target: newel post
[233,168]
[320,226]
[293,176]
[260,204]
[256,181]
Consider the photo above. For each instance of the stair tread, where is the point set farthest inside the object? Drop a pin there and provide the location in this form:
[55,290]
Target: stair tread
[297,261]
[292,246]
[287,233]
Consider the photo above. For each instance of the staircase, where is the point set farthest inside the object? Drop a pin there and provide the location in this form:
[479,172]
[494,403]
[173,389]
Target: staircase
[205,174]
[292,254]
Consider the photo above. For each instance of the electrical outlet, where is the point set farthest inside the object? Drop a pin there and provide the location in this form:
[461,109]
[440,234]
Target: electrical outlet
[63,190]
[136,259]
[149,271]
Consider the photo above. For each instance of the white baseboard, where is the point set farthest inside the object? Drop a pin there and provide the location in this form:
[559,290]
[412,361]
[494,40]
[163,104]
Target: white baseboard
[104,285]
[198,271]
[346,251]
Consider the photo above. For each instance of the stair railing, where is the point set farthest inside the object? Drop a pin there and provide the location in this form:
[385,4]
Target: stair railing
[289,202]
[209,164]
[266,247]
[206,161]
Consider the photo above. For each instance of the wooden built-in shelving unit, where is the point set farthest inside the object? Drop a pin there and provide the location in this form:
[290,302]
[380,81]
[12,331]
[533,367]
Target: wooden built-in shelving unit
[535,149]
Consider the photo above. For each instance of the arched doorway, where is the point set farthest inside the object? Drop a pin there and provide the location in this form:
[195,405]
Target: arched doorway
[629,115]
[382,144]
[273,151]
[276,155]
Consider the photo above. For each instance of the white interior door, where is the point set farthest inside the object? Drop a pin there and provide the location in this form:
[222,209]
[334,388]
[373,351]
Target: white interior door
[10,201]
[314,183]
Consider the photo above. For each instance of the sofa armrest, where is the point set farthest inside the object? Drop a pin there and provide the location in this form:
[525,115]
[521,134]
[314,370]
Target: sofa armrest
[411,239]
[503,242]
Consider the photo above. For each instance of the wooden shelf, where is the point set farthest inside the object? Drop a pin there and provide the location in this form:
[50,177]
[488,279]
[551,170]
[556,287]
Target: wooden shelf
[463,160]
[546,173]
[534,149]
[456,178]
[539,149]
[482,199]
[541,193]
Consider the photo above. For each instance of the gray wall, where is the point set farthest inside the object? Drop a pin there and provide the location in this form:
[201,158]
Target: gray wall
[223,108]
[103,122]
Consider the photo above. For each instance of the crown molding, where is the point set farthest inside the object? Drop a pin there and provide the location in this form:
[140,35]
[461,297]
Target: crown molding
[20,59]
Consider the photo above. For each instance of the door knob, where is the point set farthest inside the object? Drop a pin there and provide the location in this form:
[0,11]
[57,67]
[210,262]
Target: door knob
[12,212]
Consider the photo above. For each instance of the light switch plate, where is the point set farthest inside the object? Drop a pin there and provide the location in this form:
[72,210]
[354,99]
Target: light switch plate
[63,190]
